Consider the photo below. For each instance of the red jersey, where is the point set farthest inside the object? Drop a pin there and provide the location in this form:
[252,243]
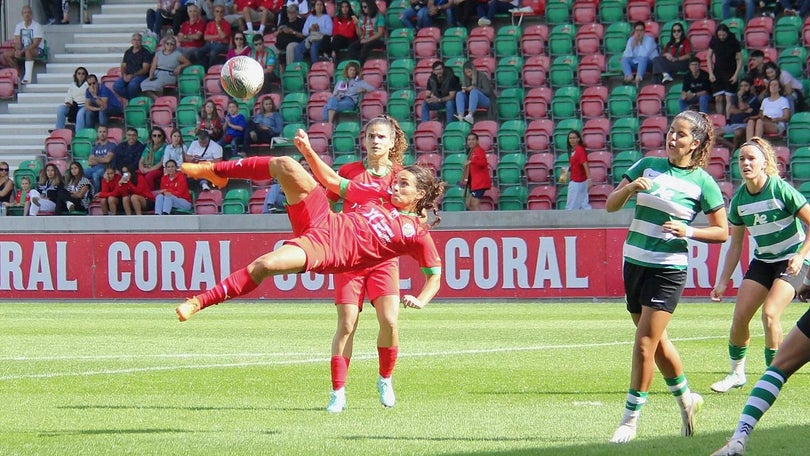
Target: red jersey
[374,232]
[577,163]
[480,178]
[187,29]
[357,172]
[141,188]
[239,5]
[111,187]
[344,27]
[177,186]
[211,32]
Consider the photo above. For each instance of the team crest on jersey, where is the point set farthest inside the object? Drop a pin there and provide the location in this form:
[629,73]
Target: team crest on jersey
[408,230]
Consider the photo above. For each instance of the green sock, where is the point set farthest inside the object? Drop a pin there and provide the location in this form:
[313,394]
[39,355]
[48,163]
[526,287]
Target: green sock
[737,353]
[762,397]
[770,354]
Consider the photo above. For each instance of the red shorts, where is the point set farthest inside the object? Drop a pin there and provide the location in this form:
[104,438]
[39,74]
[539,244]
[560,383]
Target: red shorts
[310,216]
[380,280]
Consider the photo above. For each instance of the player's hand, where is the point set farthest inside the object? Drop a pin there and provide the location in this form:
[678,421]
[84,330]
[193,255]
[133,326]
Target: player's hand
[301,141]
[412,302]
[675,227]
[717,293]
[642,184]
[794,265]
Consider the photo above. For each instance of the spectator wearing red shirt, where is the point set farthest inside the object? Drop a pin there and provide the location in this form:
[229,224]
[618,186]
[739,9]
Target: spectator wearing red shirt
[173,192]
[217,39]
[344,31]
[477,179]
[192,32]
[578,173]
[674,57]
[110,192]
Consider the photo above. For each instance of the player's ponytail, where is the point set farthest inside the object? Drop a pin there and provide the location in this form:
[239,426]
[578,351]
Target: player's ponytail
[433,189]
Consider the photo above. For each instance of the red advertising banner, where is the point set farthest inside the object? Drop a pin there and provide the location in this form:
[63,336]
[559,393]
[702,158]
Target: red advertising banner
[478,264]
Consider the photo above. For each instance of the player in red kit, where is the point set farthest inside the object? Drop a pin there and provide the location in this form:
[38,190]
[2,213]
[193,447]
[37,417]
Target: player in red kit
[326,242]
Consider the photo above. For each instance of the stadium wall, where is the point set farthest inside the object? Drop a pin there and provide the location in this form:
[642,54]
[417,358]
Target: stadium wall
[487,255]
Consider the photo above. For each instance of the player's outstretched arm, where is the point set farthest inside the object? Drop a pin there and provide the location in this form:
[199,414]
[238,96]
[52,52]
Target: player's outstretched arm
[429,290]
[322,172]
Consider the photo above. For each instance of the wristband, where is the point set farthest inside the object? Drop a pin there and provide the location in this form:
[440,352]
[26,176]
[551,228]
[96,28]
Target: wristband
[805,281]
[690,232]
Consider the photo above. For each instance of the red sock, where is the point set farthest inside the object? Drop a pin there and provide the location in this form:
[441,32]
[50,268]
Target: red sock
[388,359]
[257,168]
[237,284]
[340,369]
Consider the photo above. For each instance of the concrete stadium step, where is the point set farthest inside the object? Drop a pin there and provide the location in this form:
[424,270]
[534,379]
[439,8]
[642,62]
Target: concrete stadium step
[19,153]
[31,139]
[27,128]
[120,38]
[40,118]
[69,68]
[125,19]
[28,109]
[51,79]
[83,53]
[54,98]
[39,87]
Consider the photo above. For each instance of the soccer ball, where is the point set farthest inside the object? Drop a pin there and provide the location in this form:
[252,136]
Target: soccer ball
[242,77]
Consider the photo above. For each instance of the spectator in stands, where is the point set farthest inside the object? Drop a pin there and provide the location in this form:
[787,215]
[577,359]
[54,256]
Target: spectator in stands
[128,153]
[6,185]
[302,5]
[203,149]
[756,72]
[182,15]
[240,46]
[416,16]
[370,30]
[207,7]
[487,10]
[136,196]
[44,197]
[725,66]
[235,124]
[265,55]
[463,11]
[167,64]
[150,166]
[99,105]
[102,155]
[261,11]
[696,87]
[264,126]
[74,99]
[274,200]
[164,11]
[675,55]
[20,198]
[78,189]
[173,192]
[442,87]
[52,10]
[29,43]
[66,12]
[477,89]
[210,121]
[638,53]
[795,7]
[791,86]
[109,195]
[344,31]
[774,113]
[578,173]
[134,69]
[743,105]
[190,37]
[289,34]
[317,26]
[346,94]
[750,8]
[217,37]
[175,150]
[477,178]
[436,7]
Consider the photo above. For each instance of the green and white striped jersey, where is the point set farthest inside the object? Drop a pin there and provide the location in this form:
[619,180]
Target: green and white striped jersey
[677,194]
[770,217]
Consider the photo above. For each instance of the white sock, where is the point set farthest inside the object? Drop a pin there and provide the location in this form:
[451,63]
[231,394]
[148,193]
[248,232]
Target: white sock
[249,27]
[261,30]
[29,70]
[738,366]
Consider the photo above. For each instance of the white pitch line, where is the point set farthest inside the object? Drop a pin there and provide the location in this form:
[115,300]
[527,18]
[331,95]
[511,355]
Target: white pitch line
[170,355]
[50,375]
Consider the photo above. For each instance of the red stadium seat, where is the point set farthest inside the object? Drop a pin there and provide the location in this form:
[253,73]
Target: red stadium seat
[256,201]
[373,104]
[600,163]
[598,195]
[211,84]
[700,33]
[595,133]
[57,145]
[757,33]
[538,136]
[315,105]
[542,197]
[375,71]
[320,76]
[593,101]
[9,78]
[718,163]
[426,42]
[487,131]
[162,112]
[538,168]
[208,202]
[727,189]
[422,72]
[638,10]
[320,135]
[590,69]
[479,42]
[486,64]
[588,39]
[584,12]
[695,9]
[651,100]
[534,39]
[536,103]
[426,137]
[535,70]
[652,132]
[432,161]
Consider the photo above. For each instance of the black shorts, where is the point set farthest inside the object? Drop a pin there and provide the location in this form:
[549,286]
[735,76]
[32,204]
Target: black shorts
[804,324]
[657,288]
[765,273]
[477,193]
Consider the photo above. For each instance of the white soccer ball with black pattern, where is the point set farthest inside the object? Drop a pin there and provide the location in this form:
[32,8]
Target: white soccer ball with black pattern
[242,77]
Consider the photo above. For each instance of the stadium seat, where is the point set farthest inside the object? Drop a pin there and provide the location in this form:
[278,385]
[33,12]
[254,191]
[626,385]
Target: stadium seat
[718,163]
[787,31]
[453,42]
[798,130]
[453,167]
[426,42]
[558,12]
[320,76]
[623,134]
[510,168]
[506,41]
[256,200]
[542,197]
[793,60]
[651,100]
[799,164]
[513,198]
[454,137]
[485,64]
[187,111]
[585,12]
[616,35]
[454,200]
[293,107]
[392,13]
[595,134]
[539,167]
[208,202]
[600,163]
[374,71]
[590,70]
[700,34]
[422,72]
[400,74]
[315,104]
[479,42]
[806,32]
[639,10]
[510,136]
[294,77]
[695,9]
[211,81]
[508,71]
[535,70]
[539,135]
[190,81]
[593,101]
[320,135]
[598,195]
[345,138]
[136,112]
[622,162]
[57,144]
[757,33]
[537,102]
[611,11]
[487,131]
[432,161]
[561,40]
[9,79]
[534,39]
[563,71]
[666,10]
[426,137]
[652,132]
[235,201]
[588,39]
[341,160]
[457,65]
[622,101]
[561,131]
[373,104]
[509,104]
[162,112]
[565,103]
[400,104]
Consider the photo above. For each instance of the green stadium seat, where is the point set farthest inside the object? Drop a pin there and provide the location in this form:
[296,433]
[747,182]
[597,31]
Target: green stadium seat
[509,104]
[392,13]
[561,131]
[622,162]
[799,164]
[454,137]
[798,130]
[565,103]
[400,74]
[510,168]
[235,201]
[616,36]
[510,136]
[624,134]
[671,101]
[666,10]
[188,110]
[345,138]
[453,41]
[294,77]
[563,71]
[793,60]
[341,160]
[293,106]
[558,12]
[190,81]
[507,72]
[622,101]
[400,104]
[453,167]
[513,198]
[400,43]
[457,65]
[453,200]
[136,113]
[611,11]
[561,40]
[787,31]
[506,41]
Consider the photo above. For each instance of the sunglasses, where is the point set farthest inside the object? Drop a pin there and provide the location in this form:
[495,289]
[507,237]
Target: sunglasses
[4,170]
[157,135]
[92,83]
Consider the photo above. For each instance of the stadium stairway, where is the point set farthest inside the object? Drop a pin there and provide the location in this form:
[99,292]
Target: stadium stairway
[98,47]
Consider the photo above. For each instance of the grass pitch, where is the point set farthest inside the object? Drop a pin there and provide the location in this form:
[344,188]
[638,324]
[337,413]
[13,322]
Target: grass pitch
[472,379]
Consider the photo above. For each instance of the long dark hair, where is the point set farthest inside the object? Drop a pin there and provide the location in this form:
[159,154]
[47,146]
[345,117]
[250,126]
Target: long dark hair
[70,179]
[672,41]
[703,131]
[340,9]
[76,78]
[433,191]
[372,8]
